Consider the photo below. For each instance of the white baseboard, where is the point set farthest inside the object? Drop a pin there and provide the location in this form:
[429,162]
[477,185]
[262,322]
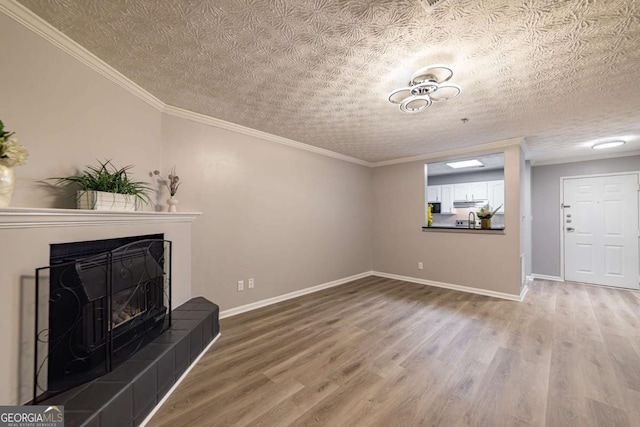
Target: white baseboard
[265,302]
[545,277]
[269,301]
[524,291]
[175,386]
[467,289]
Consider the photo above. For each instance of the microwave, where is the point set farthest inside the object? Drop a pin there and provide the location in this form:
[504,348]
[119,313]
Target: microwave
[435,207]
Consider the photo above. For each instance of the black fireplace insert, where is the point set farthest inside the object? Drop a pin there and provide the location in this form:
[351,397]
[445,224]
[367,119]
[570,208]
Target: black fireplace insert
[98,303]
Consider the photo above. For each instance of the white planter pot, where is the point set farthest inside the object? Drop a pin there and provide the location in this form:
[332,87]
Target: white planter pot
[103,201]
[7,184]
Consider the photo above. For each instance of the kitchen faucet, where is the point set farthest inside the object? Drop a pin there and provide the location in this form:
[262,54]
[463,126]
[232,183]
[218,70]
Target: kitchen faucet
[472,215]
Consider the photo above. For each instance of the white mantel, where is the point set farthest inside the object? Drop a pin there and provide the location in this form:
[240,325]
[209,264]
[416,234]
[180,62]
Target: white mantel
[25,237]
[39,217]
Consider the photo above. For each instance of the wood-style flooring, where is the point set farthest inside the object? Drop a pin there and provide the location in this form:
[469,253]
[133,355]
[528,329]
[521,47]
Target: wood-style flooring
[381,352]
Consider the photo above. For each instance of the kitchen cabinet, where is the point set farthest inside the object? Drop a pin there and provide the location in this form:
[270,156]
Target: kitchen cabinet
[462,191]
[434,193]
[479,190]
[446,204]
[471,191]
[496,194]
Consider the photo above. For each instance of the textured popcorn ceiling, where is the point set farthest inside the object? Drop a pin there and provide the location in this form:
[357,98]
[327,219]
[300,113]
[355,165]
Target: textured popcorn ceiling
[559,73]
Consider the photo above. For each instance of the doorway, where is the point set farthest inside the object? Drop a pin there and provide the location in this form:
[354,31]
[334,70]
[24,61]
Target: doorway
[600,228]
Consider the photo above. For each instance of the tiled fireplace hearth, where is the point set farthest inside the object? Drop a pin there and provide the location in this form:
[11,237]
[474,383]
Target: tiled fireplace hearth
[125,396]
[99,302]
[129,391]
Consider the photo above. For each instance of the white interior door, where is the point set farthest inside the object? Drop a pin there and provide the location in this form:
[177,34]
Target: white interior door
[601,230]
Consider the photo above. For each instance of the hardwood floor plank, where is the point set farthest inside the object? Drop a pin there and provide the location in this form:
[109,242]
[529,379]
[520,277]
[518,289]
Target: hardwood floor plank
[347,398]
[598,373]
[300,403]
[485,410]
[450,403]
[632,404]
[603,415]
[382,352]
[573,303]
[626,361]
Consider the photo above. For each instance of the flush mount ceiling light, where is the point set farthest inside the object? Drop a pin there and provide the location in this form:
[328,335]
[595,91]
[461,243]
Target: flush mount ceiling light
[465,164]
[610,144]
[425,88]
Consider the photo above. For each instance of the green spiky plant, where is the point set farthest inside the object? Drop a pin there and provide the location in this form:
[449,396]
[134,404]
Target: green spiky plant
[4,135]
[106,177]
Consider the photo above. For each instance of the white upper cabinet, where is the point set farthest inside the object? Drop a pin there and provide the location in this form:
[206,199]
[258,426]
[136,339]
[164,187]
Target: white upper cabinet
[446,206]
[434,193]
[462,191]
[479,190]
[471,191]
[496,194]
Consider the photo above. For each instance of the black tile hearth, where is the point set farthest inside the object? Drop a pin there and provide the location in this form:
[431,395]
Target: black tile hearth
[125,396]
[165,372]
[84,418]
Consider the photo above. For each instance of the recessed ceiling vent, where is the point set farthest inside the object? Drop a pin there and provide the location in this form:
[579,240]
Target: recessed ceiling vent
[430,3]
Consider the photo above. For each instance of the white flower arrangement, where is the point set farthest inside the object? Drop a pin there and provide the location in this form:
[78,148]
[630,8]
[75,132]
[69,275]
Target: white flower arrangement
[12,153]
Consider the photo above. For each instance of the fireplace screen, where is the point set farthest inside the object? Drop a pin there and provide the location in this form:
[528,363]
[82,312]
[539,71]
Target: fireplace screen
[126,305]
[97,308]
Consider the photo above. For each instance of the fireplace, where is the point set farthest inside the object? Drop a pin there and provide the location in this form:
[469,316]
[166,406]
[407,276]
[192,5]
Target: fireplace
[99,302]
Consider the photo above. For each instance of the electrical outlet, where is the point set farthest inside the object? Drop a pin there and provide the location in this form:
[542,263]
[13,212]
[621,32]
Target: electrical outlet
[251,284]
[240,285]
[420,266]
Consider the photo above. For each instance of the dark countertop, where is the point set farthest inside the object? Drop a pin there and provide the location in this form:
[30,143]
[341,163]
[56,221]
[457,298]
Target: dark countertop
[445,228]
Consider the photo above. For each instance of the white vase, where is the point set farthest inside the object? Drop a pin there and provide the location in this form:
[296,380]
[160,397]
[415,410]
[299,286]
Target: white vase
[7,184]
[173,204]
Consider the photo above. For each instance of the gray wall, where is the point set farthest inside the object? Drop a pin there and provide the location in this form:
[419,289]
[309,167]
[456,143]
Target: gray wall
[67,116]
[546,205]
[484,261]
[289,218]
[456,178]
[525,217]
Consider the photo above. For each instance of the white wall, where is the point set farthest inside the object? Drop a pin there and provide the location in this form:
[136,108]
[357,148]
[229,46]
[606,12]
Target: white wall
[288,218]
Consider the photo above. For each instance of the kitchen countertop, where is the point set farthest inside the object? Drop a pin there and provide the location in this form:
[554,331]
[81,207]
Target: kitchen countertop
[447,228]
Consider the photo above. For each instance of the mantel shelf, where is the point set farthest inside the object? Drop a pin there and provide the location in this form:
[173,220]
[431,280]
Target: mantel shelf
[41,217]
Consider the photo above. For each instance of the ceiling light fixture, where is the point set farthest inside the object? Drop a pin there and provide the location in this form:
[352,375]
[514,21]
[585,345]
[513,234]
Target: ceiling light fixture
[425,87]
[610,144]
[465,164]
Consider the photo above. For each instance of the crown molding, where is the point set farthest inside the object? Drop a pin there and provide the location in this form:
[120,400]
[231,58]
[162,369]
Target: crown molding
[572,159]
[27,18]
[212,121]
[454,152]
[30,20]
[525,148]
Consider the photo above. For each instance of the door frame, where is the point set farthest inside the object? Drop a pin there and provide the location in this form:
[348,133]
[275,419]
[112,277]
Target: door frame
[596,175]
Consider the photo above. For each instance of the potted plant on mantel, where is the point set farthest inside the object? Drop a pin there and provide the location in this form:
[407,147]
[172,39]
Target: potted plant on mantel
[107,188]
